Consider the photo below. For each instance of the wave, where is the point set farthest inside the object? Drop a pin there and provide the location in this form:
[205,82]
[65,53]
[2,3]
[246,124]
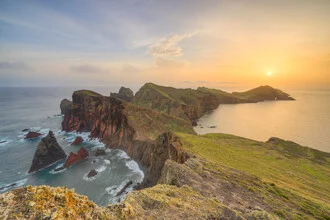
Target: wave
[16,184]
[118,192]
[4,141]
[132,165]
[56,172]
[122,154]
[106,162]
[99,170]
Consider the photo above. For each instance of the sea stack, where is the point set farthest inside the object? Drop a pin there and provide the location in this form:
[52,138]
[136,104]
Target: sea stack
[125,94]
[48,152]
[75,158]
[65,106]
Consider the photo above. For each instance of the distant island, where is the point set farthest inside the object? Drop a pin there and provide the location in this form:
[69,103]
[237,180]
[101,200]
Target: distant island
[212,176]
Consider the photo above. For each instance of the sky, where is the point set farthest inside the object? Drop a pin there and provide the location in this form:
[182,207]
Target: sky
[188,43]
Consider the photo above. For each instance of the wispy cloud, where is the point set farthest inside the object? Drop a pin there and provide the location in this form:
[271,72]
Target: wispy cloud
[166,50]
[87,68]
[14,66]
[168,47]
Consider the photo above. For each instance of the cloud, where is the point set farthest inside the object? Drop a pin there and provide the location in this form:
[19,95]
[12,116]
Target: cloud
[169,63]
[168,47]
[14,66]
[166,50]
[129,69]
[86,68]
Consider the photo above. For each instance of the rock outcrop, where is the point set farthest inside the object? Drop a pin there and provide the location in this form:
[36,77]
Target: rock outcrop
[32,135]
[111,120]
[75,158]
[65,106]
[99,152]
[92,173]
[48,152]
[125,94]
[77,141]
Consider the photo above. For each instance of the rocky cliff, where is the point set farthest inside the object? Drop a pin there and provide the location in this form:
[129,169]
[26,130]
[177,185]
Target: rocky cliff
[127,127]
[124,93]
[48,152]
[190,104]
[65,106]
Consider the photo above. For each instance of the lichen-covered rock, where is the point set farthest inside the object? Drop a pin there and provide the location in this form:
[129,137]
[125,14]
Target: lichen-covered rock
[75,158]
[125,94]
[171,202]
[65,106]
[44,202]
[48,152]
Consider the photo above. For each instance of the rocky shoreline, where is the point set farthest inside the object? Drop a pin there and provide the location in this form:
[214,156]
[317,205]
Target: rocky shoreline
[154,128]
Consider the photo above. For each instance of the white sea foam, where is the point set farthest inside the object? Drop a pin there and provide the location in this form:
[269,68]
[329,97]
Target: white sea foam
[132,165]
[94,161]
[114,190]
[100,169]
[58,166]
[122,154]
[107,162]
[19,183]
[4,141]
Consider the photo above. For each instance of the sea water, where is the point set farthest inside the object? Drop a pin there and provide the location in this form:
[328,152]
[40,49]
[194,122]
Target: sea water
[305,121]
[38,109]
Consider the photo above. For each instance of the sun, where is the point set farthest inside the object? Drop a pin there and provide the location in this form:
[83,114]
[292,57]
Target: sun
[269,73]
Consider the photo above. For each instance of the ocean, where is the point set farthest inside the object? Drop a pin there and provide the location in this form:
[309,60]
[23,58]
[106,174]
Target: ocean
[305,121]
[38,109]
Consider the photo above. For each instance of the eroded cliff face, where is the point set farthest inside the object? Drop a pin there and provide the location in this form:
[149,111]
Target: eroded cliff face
[106,118]
[100,115]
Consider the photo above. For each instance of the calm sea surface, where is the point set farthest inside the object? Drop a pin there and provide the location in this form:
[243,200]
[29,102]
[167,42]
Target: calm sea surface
[305,121]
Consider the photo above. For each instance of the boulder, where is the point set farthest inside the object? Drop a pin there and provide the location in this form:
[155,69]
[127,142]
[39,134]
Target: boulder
[48,152]
[75,158]
[77,141]
[92,173]
[99,152]
[32,135]
[125,187]
[65,106]
[125,94]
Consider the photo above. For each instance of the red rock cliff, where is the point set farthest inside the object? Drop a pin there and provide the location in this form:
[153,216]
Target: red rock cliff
[106,118]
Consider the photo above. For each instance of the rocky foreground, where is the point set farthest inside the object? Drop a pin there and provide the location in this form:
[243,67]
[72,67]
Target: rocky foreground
[188,176]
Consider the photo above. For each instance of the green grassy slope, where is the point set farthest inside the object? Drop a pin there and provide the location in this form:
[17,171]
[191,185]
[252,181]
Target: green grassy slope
[302,179]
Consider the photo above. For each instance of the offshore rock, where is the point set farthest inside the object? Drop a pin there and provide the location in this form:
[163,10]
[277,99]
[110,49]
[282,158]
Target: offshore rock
[65,106]
[92,173]
[125,94]
[48,152]
[99,152]
[77,141]
[32,135]
[75,158]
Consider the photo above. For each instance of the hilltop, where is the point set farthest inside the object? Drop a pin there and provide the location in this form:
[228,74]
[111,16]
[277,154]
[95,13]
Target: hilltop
[190,104]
